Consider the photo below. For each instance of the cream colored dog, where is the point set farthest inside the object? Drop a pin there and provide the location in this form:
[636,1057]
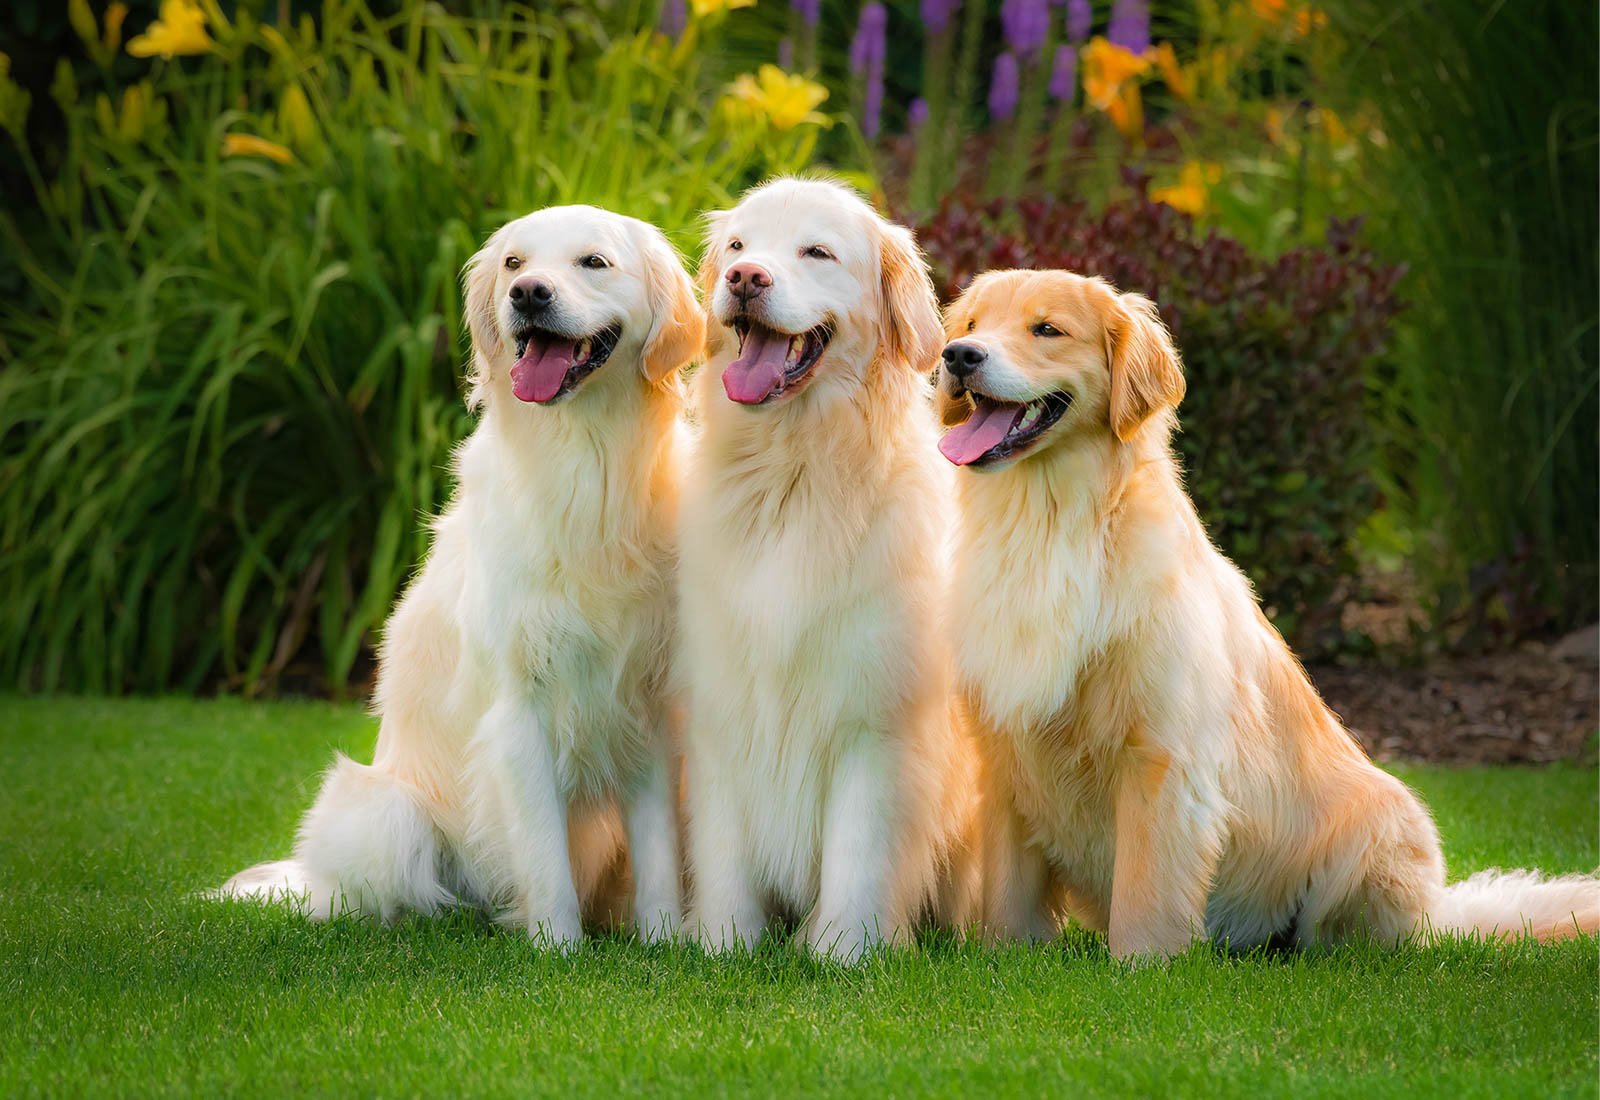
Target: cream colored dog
[523,677]
[1168,770]
[826,782]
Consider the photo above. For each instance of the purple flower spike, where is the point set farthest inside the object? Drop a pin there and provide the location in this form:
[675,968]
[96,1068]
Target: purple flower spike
[1025,24]
[1130,25]
[871,38]
[936,14]
[810,11]
[1080,20]
[674,17]
[1064,74]
[1003,90]
[917,113]
[785,55]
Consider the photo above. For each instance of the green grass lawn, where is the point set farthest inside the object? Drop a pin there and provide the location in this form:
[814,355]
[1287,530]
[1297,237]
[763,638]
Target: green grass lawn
[114,978]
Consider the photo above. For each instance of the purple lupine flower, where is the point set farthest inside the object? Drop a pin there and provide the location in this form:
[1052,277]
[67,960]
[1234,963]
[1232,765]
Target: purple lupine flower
[1064,74]
[1080,20]
[1003,89]
[936,14]
[917,113]
[674,17]
[1130,25]
[785,55]
[1025,24]
[872,107]
[871,38]
[810,11]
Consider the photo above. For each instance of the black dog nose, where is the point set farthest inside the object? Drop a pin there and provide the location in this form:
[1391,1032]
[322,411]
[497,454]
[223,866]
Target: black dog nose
[963,357]
[529,293]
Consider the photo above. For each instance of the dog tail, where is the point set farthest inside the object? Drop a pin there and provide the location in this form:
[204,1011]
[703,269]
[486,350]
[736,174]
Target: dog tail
[368,845]
[1500,904]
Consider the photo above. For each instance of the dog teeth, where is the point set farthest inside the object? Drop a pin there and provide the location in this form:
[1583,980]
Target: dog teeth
[580,354]
[797,348]
[1030,417]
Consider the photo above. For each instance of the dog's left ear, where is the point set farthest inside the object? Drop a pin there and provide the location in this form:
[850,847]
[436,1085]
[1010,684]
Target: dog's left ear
[679,326]
[478,282]
[1146,376]
[909,322]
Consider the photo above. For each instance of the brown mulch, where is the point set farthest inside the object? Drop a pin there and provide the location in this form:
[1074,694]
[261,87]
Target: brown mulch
[1534,704]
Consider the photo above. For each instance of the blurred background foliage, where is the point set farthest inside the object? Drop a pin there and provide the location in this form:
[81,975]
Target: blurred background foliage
[233,233]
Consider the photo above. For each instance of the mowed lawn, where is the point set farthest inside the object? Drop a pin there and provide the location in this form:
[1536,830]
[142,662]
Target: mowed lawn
[114,978]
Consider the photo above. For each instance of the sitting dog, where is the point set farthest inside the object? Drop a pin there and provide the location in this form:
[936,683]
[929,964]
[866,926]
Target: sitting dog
[1166,769]
[522,683]
[827,782]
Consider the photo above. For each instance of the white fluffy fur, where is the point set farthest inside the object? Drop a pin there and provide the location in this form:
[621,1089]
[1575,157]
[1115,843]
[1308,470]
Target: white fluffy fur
[827,780]
[523,678]
[1167,769]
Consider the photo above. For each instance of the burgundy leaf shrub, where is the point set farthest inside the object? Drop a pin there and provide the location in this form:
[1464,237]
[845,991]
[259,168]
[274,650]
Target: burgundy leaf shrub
[1275,438]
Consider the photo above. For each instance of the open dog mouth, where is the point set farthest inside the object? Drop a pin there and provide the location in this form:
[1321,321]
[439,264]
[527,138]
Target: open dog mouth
[998,430]
[771,362]
[549,365]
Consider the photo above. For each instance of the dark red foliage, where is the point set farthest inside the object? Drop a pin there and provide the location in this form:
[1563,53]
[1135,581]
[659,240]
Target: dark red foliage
[1275,435]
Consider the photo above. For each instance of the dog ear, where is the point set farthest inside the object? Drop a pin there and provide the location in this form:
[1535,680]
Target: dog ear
[477,281]
[1146,376]
[954,407]
[909,321]
[678,330]
[710,267]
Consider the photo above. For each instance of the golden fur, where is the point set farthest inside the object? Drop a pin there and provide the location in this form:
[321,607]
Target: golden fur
[827,781]
[1164,767]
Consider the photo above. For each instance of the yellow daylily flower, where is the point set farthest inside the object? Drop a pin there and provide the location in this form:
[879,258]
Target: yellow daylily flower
[248,145]
[1277,12]
[783,99]
[298,120]
[180,29]
[1192,193]
[1110,83]
[703,8]
[1179,81]
[115,14]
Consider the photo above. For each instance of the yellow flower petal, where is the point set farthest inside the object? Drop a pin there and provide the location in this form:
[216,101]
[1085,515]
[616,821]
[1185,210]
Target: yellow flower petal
[180,29]
[703,8]
[248,145]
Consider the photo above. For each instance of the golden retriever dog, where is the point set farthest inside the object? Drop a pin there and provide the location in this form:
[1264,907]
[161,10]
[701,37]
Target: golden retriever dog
[523,679]
[1166,770]
[827,782]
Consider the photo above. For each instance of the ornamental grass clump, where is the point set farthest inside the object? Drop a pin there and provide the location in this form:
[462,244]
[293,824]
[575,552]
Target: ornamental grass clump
[232,367]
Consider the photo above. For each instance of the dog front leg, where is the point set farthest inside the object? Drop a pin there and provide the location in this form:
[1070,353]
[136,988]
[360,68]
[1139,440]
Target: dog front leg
[652,824]
[1168,841]
[727,912]
[1016,876]
[535,810]
[858,845]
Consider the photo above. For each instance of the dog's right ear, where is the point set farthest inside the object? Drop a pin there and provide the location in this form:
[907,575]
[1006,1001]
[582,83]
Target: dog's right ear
[478,280]
[710,267]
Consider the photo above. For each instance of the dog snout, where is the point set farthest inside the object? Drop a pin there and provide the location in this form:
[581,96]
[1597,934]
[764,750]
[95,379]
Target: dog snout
[529,294]
[962,357]
[748,281]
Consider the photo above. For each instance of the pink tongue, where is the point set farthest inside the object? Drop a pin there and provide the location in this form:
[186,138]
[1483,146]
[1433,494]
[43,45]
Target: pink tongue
[751,378]
[981,432]
[538,375]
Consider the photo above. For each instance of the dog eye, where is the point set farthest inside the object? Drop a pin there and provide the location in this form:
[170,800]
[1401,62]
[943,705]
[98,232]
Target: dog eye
[1045,328]
[736,244]
[972,326]
[816,252]
[512,263]
[594,261]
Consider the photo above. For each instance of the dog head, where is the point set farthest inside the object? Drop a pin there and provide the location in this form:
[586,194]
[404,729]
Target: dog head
[1036,358]
[807,288]
[553,296]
